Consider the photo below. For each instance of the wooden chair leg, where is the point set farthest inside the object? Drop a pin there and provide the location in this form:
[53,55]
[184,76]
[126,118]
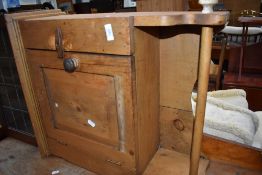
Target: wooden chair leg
[221,62]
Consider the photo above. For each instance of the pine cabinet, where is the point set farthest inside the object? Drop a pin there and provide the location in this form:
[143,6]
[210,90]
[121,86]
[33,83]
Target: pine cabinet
[97,82]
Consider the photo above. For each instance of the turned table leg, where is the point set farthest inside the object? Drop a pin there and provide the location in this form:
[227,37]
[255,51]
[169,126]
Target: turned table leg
[203,76]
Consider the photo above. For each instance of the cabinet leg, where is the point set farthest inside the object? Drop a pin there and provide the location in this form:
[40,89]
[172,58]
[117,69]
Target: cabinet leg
[203,76]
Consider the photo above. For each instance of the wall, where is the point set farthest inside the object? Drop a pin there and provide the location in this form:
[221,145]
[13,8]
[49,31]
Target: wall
[162,5]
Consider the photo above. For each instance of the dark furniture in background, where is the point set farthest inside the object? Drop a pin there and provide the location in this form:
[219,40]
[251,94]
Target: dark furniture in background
[245,66]
[102,6]
[95,6]
[251,77]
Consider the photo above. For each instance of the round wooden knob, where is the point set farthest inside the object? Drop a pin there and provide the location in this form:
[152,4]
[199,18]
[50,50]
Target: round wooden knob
[70,64]
[179,125]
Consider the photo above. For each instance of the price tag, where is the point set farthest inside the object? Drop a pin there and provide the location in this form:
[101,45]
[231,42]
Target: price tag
[91,123]
[109,32]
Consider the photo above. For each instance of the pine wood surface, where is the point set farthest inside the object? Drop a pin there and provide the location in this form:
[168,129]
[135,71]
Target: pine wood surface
[97,43]
[179,51]
[166,162]
[141,78]
[178,67]
[163,5]
[92,30]
[231,153]
[68,110]
[60,141]
[203,76]
[217,168]
[146,97]
[176,129]
[156,18]
[23,72]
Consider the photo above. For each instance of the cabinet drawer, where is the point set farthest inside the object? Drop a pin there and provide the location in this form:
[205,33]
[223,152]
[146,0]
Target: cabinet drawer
[83,35]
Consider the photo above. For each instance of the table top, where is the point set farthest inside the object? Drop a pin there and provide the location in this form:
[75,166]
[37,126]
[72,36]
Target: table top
[155,18]
[252,20]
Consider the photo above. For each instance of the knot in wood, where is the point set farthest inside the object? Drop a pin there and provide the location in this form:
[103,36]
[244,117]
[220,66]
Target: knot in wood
[179,125]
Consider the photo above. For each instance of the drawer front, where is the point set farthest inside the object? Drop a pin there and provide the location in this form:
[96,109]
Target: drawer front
[83,35]
[89,110]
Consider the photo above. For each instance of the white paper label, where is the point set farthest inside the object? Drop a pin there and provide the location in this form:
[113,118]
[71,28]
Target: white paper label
[55,172]
[109,32]
[91,123]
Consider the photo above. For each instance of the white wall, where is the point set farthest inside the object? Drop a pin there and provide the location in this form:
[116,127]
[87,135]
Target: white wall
[27,2]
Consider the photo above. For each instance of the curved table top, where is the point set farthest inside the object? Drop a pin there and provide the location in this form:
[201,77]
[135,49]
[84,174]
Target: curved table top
[155,18]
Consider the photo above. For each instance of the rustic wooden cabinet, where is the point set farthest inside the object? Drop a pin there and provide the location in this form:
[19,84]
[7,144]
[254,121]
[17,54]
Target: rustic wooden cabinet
[103,114]
[87,113]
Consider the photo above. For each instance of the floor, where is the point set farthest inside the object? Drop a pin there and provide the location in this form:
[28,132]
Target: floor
[18,158]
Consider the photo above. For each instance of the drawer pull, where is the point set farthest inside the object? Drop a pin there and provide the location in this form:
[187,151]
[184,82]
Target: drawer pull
[70,64]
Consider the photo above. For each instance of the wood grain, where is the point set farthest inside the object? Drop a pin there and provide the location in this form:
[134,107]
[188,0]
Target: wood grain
[176,129]
[146,99]
[94,67]
[163,5]
[23,72]
[139,73]
[146,18]
[218,168]
[72,107]
[95,163]
[180,18]
[203,75]
[93,30]
[178,69]
[231,153]
[167,162]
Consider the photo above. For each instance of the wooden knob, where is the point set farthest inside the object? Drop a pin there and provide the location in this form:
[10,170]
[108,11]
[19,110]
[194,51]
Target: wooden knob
[70,64]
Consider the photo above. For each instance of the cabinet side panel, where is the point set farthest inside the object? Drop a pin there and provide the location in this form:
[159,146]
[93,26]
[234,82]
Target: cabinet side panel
[23,71]
[178,70]
[178,73]
[147,94]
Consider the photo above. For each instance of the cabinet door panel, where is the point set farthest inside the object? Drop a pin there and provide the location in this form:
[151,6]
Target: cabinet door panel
[100,91]
[83,103]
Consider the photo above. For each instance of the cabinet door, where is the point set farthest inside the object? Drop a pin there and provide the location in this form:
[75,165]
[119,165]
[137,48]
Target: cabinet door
[88,111]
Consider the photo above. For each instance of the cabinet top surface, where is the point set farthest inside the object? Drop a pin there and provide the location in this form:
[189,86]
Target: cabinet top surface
[154,18]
